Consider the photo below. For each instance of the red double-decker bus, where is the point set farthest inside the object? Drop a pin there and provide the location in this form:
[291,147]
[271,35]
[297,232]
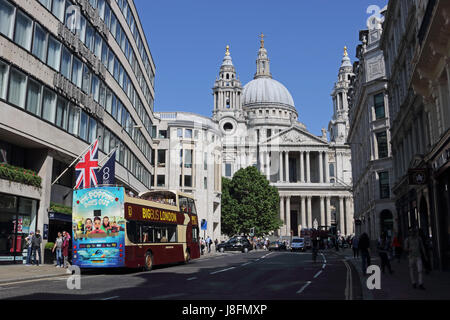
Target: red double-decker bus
[113,229]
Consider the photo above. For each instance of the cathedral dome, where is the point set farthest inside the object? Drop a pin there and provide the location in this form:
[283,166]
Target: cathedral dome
[266,91]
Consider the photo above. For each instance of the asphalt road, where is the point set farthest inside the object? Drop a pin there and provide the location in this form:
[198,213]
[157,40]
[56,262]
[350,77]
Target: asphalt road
[257,275]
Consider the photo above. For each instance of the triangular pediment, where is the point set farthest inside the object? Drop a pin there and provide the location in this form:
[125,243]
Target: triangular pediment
[295,136]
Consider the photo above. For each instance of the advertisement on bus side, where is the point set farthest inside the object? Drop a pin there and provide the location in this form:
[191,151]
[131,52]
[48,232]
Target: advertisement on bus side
[98,227]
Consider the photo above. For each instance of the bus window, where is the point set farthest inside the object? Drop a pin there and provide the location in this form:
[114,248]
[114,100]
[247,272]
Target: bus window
[195,234]
[184,204]
[192,208]
[133,231]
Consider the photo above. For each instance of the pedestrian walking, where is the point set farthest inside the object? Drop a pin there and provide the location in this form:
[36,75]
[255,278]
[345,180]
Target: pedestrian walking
[355,242]
[364,246]
[397,246]
[426,254]
[208,243]
[202,245]
[415,249]
[216,242]
[36,241]
[384,248]
[65,248]
[58,247]
[29,247]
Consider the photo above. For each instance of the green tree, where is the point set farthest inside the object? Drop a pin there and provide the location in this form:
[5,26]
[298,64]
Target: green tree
[248,200]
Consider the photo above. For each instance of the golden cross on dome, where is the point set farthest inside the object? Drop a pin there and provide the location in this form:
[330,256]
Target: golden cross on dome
[345,51]
[262,40]
[227,53]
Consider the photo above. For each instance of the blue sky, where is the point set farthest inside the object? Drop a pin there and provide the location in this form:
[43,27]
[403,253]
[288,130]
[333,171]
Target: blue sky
[304,40]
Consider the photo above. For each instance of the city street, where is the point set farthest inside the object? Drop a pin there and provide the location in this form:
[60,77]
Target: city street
[258,275]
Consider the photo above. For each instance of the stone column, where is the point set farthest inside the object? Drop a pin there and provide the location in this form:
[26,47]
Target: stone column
[281,213]
[320,167]
[309,212]
[303,211]
[348,215]
[328,201]
[308,173]
[302,167]
[327,168]
[262,158]
[155,168]
[341,216]
[268,165]
[288,216]
[281,175]
[286,159]
[322,211]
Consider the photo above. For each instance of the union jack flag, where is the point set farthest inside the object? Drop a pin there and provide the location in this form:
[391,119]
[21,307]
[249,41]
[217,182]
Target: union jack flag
[86,168]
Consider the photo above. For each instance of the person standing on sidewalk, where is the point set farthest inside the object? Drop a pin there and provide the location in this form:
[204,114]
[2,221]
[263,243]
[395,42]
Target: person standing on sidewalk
[355,242]
[208,243]
[65,248]
[384,248]
[363,246]
[29,247]
[397,247]
[414,247]
[36,241]
[58,247]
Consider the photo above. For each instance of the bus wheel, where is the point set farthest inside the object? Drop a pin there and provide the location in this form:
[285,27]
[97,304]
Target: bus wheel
[148,261]
[187,257]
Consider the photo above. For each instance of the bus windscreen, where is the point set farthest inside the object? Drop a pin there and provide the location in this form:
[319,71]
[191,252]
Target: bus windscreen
[98,227]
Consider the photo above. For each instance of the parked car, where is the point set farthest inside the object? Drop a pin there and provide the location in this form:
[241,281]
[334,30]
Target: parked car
[235,244]
[277,245]
[298,244]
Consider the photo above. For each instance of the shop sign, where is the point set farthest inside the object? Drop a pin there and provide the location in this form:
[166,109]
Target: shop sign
[418,176]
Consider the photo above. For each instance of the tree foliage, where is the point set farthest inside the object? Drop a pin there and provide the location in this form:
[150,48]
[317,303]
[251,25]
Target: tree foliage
[249,201]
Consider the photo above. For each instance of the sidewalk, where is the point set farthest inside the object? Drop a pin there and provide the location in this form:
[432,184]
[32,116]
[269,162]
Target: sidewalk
[397,286]
[21,272]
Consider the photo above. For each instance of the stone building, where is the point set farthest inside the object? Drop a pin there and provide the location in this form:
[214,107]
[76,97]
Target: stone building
[369,138]
[259,126]
[416,48]
[70,71]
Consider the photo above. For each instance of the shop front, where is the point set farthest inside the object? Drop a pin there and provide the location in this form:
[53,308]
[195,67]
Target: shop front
[18,217]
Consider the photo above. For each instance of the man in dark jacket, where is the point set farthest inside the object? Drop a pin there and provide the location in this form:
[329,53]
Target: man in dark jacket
[36,241]
[364,245]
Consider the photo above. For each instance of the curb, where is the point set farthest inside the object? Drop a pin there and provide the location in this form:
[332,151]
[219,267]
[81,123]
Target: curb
[33,278]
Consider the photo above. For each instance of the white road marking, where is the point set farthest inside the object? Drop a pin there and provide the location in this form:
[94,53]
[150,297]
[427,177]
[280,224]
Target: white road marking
[349,280]
[246,264]
[323,266]
[304,287]
[222,270]
[318,274]
[110,298]
[167,296]
[192,278]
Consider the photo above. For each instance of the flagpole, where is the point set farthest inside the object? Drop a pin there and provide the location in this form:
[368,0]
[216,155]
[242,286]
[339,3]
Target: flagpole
[108,155]
[73,162]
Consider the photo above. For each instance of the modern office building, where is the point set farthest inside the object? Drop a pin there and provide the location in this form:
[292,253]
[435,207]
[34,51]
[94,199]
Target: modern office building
[70,71]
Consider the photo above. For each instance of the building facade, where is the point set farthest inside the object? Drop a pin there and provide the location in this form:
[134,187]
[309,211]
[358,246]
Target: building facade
[188,154]
[369,138]
[416,48]
[259,128]
[70,72]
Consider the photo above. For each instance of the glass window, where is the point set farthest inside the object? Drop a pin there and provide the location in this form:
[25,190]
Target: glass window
[71,19]
[6,18]
[105,54]
[384,185]
[89,41]
[34,97]
[46,3]
[92,130]
[382,144]
[17,84]
[95,88]
[188,133]
[188,159]
[81,32]
[49,105]
[102,94]
[54,53]
[101,8]
[98,46]
[39,42]
[228,169]
[61,113]
[114,107]
[179,133]
[107,14]
[106,141]
[379,105]
[86,79]
[66,63]
[76,72]
[119,112]
[58,9]
[3,79]
[22,35]
[108,100]
[74,118]
[113,24]
[83,125]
